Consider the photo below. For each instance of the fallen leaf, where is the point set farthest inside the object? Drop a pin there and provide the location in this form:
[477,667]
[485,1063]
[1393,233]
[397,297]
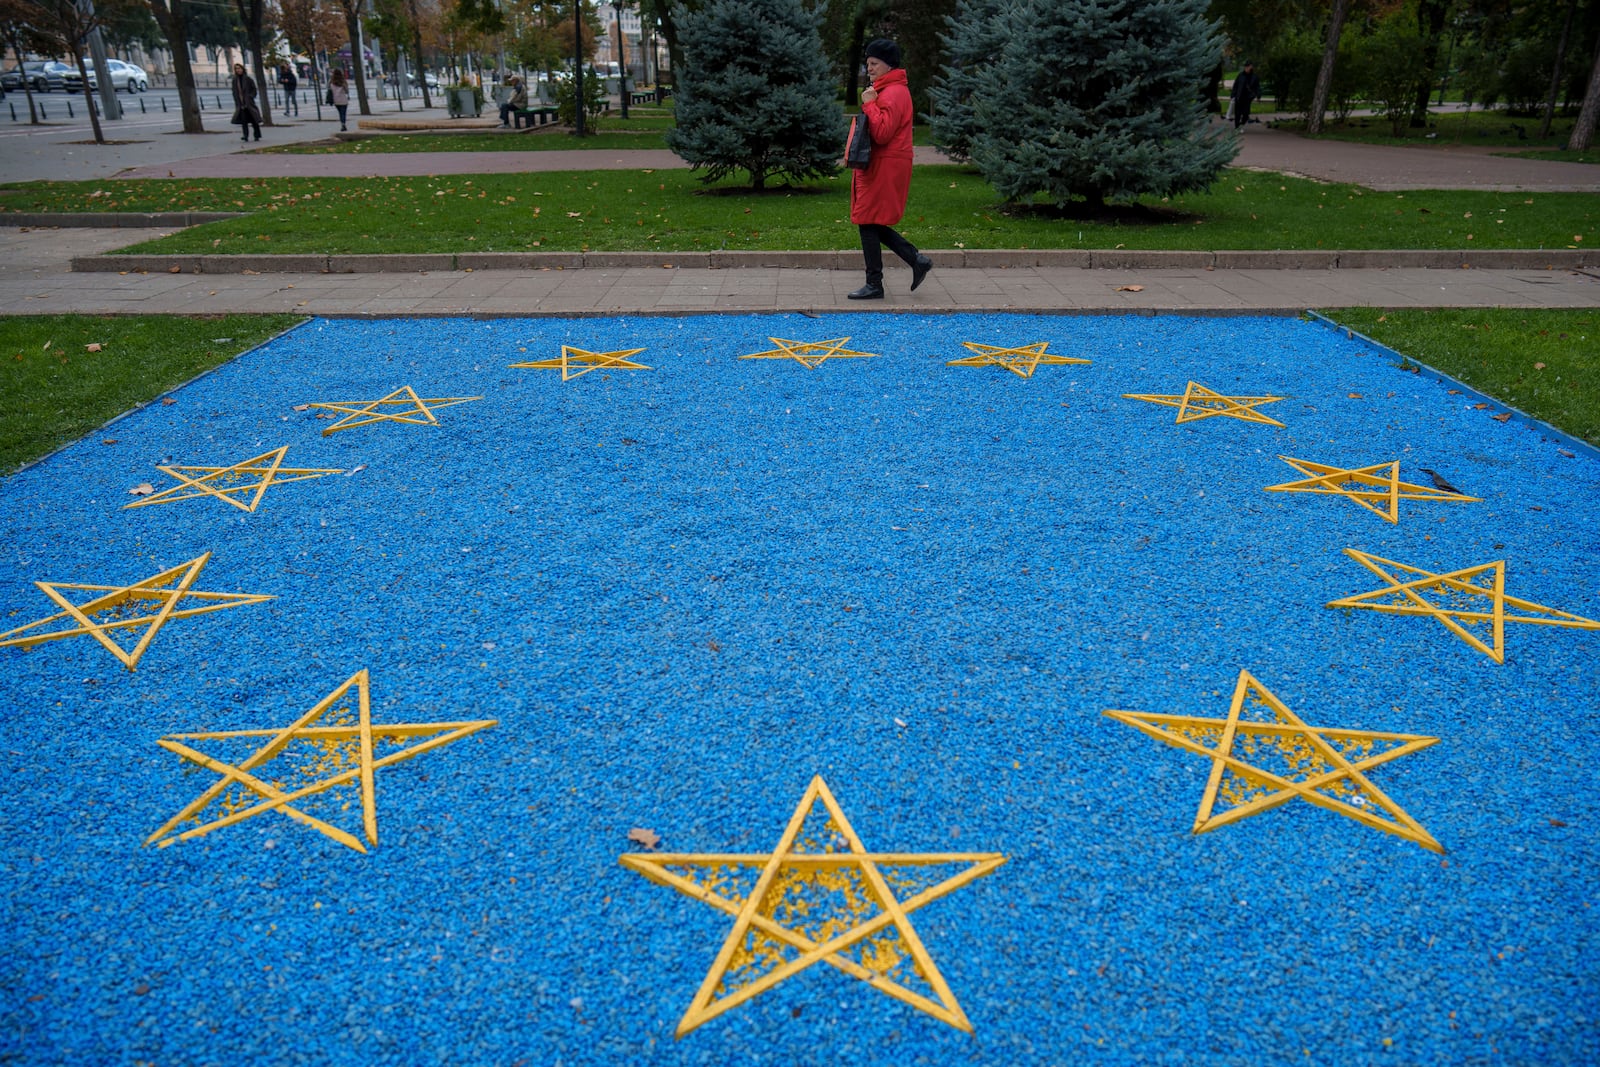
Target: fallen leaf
[1557,822]
[1130,288]
[142,489]
[1569,455]
[247,270]
[1453,392]
[1355,396]
[301,407]
[574,214]
[167,401]
[140,990]
[47,345]
[1479,407]
[174,270]
[1383,318]
[1502,418]
[95,347]
[1538,366]
[648,838]
[109,441]
[355,470]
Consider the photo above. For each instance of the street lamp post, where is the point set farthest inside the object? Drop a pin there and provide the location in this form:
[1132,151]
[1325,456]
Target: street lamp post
[622,59]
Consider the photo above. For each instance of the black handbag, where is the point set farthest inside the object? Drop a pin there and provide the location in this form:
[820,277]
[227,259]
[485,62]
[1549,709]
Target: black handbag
[858,153]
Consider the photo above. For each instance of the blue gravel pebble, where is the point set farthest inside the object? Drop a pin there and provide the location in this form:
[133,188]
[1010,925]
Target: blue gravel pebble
[683,592]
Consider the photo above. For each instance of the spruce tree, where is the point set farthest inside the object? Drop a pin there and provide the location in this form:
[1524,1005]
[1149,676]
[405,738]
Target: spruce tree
[977,33]
[755,94]
[1098,100]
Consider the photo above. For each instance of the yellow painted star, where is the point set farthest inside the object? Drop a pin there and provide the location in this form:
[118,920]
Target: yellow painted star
[575,362]
[402,405]
[1198,402]
[145,606]
[1471,602]
[810,353]
[1022,360]
[246,480]
[331,749]
[819,896]
[1377,488]
[1320,765]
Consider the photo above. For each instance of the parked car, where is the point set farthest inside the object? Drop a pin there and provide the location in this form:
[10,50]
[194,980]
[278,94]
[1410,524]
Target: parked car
[40,78]
[73,81]
[129,76]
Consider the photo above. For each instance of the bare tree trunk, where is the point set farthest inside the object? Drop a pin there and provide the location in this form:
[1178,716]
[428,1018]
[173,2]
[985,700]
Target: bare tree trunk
[416,44]
[1555,75]
[352,25]
[27,86]
[1583,129]
[1330,52]
[1430,20]
[88,94]
[171,21]
[251,13]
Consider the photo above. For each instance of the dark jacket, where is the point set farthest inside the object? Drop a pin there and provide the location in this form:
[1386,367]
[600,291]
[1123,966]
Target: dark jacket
[244,99]
[1246,87]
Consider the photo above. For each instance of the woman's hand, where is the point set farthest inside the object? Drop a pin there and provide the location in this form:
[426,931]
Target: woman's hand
[869,95]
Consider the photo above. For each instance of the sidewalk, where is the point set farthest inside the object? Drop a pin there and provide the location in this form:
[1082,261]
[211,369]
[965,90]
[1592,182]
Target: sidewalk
[34,279]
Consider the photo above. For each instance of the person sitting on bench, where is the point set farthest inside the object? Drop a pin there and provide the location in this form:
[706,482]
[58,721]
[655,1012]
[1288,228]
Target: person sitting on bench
[517,101]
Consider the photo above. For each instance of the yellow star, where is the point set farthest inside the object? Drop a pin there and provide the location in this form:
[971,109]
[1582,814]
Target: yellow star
[332,747]
[819,896]
[810,353]
[1471,602]
[402,405]
[1364,485]
[228,484]
[1021,361]
[1198,402]
[1316,764]
[576,357]
[165,591]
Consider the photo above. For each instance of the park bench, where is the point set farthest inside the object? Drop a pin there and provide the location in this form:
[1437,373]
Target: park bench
[533,116]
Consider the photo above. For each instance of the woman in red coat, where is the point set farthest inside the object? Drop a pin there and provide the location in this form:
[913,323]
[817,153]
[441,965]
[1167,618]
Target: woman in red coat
[878,193]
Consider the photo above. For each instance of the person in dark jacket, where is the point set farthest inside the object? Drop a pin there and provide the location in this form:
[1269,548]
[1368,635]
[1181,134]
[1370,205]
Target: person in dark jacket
[878,192]
[290,83]
[245,112]
[1246,87]
[516,100]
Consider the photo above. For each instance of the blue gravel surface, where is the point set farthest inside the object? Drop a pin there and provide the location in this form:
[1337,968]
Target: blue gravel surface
[683,592]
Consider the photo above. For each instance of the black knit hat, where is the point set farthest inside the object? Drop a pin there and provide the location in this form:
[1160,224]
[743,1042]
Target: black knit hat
[884,49]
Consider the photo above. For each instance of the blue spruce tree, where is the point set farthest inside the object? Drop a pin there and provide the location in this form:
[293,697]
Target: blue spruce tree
[1096,100]
[977,34]
[755,93]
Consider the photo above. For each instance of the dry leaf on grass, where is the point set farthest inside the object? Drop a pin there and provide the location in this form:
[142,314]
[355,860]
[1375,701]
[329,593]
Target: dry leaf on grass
[47,345]
[142,489]
[1130,288]
[1538,366]
[97,346]
[648,838]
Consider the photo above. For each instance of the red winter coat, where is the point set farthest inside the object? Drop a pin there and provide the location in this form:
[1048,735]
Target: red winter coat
[878,193]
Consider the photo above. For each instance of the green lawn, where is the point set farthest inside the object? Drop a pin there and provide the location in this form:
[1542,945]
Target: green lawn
[640,130]
[1490,128]
[1546,363]
[53,390]
[670,210]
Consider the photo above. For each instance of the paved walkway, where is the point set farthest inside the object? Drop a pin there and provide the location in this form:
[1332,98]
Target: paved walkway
[34,280]
[1376,166]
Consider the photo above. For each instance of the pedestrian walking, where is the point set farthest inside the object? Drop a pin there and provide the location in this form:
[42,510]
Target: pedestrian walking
[290,83]
[1246,87]
[245,112]
[339,95]
[878,191]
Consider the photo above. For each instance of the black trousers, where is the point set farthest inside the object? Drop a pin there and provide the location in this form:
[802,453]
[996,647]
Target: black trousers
[873,238]
[1241,112]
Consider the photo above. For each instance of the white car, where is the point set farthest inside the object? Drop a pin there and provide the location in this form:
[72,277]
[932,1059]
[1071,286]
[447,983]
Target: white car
[127,76]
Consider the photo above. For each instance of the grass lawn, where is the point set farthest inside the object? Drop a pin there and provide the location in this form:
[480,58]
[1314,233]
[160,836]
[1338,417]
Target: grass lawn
[671,210]
[1546,363]
[53,390]
[640,130]
[1493,128]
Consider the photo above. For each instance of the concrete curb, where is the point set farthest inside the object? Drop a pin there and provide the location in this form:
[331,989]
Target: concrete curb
[114,220]
[1099,259]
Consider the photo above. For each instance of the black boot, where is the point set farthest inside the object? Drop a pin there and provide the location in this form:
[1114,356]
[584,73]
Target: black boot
[920,270]
[870,291]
